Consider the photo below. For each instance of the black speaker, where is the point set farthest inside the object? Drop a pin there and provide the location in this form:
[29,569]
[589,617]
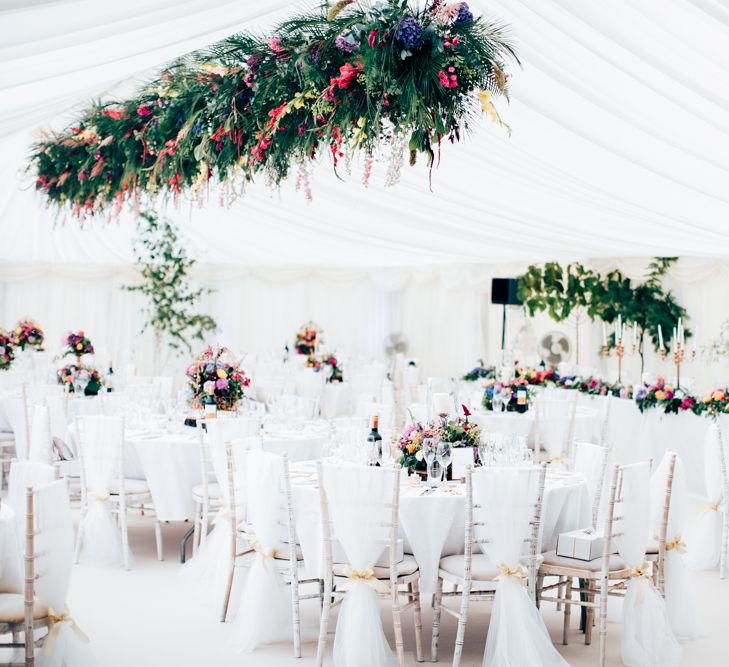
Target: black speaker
[503,292]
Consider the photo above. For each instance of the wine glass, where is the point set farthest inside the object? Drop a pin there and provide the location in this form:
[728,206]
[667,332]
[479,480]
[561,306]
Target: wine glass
[444,455]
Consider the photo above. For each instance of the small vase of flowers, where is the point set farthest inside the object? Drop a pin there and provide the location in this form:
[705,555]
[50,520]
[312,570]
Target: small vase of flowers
[216,373]
[77,345]
[27,334]
[76,379]
[306,339]
[328,364]
[7,350]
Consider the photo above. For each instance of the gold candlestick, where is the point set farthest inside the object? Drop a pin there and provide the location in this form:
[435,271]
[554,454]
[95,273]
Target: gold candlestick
[662,353]
[678,359]
[620,353]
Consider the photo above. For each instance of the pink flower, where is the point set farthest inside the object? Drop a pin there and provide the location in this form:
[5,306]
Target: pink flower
[209,387]
[221,384]
[372,39]
[144,110]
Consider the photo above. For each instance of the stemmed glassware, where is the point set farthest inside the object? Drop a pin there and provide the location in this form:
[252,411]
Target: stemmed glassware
[430,452]
[444,456]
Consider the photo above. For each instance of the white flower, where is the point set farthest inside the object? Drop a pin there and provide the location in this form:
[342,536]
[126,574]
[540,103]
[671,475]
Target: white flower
[419,455]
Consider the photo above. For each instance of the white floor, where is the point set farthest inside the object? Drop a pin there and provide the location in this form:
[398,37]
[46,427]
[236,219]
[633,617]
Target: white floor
[150,616]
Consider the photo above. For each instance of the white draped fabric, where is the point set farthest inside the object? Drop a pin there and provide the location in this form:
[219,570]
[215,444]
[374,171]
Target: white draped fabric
[646,638]
[358,499]
[40,435]
[264,613]
[705,532]
[504,502]
[101,444]
[24,474]
[683,613]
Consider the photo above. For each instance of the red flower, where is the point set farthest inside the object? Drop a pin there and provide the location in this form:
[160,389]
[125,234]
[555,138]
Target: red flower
[372,39]
[115,114]
[348,74]
[144,110]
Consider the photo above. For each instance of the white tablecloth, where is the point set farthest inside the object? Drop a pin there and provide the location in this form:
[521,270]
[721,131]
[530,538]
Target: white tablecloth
[11,561]
[433,526]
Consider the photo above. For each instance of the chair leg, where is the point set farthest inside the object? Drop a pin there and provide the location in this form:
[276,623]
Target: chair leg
[324,622]
[158,539]
[567,612]
[124,533]
[418,622]
[724,544]
[437,602]
[228,590]
[590,611]
[602,623]
[196,530]
[79,537]
[295,615]
[397,624]
[204,521]
[462,618]
[560,592]
[540,584]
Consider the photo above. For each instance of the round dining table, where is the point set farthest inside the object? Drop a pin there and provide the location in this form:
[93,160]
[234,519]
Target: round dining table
[432,524]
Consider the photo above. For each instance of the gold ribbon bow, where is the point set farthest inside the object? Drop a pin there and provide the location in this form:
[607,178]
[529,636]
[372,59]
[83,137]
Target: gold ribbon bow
[263,554]
[558,458]
[519,573]
[366,576]
[641,574]
[56,621]
[714,507]
[100,496]
[676,543]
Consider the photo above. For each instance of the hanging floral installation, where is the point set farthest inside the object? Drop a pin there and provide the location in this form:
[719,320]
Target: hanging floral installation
[355,79]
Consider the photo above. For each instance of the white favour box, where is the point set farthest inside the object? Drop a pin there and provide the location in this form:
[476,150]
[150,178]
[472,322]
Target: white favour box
[338,555]
[580,544]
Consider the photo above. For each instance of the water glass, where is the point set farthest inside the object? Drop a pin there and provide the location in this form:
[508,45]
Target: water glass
[435,472]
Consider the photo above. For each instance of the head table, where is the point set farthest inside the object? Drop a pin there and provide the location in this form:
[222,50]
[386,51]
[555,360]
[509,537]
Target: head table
[432,525]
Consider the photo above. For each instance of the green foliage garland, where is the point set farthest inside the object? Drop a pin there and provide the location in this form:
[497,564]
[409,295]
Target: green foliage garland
[350,81]
[165,267]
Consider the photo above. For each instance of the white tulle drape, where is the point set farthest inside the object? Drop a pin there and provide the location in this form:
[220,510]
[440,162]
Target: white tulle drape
[553,422]
[358,498]
[516,634]
[213,560]
[589,461]
[101,440]
[24,474]
[683,613]
[40,435]
[705,533]
[264,612]
[14,411]
[646,638]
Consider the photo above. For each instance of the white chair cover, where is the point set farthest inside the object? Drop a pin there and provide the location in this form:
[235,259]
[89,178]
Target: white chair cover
[646,638]
[264,613]
[589,461]
[358,498]
[57,409]
[41,443]
[683,613]
[53,563]
[704,535]
[14,411]
[507,499]
[101,444]
[24,474]
[212,561]
[11,560]
[553,423]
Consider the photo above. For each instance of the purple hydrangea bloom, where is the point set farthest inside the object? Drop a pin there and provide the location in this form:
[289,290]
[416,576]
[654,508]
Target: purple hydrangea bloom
[464,15]
[409,33]
[346,45]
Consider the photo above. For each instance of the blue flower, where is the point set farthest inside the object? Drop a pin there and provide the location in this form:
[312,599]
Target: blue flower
[210,368]
[409,33]
[464,15]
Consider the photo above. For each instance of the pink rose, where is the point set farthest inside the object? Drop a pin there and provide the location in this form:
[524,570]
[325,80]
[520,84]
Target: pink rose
[209,387]
[222,384]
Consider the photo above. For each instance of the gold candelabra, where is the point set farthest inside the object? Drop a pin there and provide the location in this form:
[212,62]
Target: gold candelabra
[678,356]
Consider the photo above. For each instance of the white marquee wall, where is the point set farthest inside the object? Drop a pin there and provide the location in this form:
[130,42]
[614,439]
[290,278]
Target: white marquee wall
[445,312]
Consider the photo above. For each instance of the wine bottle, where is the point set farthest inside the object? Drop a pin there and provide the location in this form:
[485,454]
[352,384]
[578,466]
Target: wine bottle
[521,400]
[109,379]
[374,442]
[211,408]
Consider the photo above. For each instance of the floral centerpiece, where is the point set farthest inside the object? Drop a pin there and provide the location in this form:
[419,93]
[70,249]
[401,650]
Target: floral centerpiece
[74,377]
[27,333]
[459,432]
[663,395]
[714,403]
[324,362]
[480,372]
[7,350]
[306,339]
[511,390]
[77,345]
[214,372]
